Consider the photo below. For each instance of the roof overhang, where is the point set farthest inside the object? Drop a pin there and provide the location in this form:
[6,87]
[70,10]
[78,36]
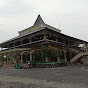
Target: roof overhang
[42,28]
[13,50]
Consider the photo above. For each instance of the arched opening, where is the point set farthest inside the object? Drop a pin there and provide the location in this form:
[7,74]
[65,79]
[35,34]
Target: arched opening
[26,56]
[25,41]
[50,37]
[18,43]
[68,56]
[8,59]
[60,40]
[37,38]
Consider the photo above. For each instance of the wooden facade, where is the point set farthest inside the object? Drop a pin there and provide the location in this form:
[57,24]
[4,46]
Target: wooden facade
[22,46]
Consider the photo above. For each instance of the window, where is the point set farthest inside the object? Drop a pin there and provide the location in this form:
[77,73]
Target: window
[25,41]
[18,43]
[66,42]
[11,45]
[38,37]
[50,37]
[60,40]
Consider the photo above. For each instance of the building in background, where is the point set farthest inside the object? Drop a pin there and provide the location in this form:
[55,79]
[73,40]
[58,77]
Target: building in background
[21,47]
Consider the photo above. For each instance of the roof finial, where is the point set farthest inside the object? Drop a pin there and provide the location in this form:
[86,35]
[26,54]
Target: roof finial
[39,20]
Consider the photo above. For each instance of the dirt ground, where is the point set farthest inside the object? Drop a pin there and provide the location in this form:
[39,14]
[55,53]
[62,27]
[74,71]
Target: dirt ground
[61,77]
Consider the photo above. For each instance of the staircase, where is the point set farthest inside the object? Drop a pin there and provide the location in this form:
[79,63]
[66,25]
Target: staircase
[78,56]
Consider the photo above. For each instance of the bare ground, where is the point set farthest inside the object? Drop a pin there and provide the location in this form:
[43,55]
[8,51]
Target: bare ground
[61,77]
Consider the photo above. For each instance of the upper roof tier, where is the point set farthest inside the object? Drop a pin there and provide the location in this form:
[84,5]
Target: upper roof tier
[39,21]
[38,24]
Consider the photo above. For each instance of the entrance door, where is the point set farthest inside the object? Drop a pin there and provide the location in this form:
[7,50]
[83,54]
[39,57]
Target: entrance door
[26,58]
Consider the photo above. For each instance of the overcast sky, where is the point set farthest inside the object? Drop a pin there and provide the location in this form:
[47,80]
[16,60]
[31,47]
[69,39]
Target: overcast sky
[16,15]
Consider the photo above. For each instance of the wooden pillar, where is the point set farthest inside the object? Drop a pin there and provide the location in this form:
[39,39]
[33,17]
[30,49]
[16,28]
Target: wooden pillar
[84,59]
[44,36]
[21,43]
[46,59]
[15,59]
[29,40]
[30,56]
[1,62]
[57,39]
[58,59]
[21,58]
[31,52]
[7,59]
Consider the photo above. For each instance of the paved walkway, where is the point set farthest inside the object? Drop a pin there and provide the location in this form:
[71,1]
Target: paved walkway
[61,77]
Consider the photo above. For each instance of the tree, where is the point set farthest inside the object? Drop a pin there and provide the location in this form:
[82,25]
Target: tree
[46,51]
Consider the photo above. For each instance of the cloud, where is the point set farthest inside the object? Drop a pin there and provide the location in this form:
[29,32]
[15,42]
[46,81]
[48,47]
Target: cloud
[16,15]
[14,8]
[3,3]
